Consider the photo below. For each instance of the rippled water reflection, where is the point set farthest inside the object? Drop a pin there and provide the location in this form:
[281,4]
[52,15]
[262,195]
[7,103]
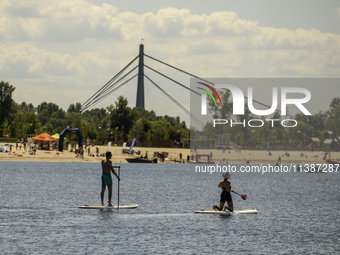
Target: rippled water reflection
[39,215]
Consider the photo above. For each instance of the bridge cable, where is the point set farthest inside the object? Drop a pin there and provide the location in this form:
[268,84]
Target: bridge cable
[177,103]
[104,88]
[107,91]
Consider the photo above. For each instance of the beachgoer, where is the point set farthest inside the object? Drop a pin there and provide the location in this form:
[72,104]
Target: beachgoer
[107,167]
[88,142]
[225,195]
[81,152]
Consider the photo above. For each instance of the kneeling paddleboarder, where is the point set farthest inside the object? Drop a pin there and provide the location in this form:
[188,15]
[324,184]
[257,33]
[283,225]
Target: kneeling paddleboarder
[225,195]
[107,167]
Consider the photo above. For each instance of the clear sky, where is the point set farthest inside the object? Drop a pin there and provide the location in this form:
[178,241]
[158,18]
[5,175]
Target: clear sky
[64,51]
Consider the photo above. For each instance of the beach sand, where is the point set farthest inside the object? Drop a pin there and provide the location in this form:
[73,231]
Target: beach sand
[66,156]
[271,157]
[219,156]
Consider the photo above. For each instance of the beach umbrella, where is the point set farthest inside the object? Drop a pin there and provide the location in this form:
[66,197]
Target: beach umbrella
[45,138]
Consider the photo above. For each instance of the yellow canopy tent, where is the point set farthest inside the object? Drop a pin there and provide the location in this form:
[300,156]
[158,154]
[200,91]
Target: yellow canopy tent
[57,136]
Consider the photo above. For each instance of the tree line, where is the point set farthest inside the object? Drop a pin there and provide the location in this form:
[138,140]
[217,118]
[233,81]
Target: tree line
[117,123]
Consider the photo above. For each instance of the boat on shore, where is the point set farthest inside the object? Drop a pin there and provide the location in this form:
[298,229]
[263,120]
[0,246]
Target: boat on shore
[333,161]
[329,160]
[141,160]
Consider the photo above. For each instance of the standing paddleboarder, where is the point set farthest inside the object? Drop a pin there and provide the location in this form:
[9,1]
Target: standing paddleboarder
[225,195]
[107,167]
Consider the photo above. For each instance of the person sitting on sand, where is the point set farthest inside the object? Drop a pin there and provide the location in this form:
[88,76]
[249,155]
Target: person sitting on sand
[225,195]
[107,167]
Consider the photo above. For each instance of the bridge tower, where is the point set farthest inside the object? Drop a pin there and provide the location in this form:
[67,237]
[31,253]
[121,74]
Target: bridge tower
[140,83]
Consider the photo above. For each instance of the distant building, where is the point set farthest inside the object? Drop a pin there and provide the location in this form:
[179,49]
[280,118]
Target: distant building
[315,141]
[330,140]
[223,140]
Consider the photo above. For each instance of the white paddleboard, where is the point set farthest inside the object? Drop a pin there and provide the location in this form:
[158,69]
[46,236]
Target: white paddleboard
[132,206]
[238,212]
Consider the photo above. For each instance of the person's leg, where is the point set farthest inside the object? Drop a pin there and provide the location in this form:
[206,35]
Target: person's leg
[222,202]
[102,193]
[230,206]
[110,194]
[220,207]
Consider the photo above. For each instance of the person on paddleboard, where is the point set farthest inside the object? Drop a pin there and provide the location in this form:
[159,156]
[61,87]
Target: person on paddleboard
[225,195]
[107,167]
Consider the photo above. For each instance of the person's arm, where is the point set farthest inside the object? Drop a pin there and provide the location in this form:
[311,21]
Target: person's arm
[113,170]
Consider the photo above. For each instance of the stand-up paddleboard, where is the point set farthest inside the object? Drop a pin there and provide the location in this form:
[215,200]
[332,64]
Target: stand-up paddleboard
[132,206]
[238,212]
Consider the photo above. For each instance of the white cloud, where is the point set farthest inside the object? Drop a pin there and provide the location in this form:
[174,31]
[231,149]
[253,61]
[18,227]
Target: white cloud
[273,38]
[78,46]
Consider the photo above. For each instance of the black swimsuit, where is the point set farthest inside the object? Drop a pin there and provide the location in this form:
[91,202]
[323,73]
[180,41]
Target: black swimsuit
[225,196]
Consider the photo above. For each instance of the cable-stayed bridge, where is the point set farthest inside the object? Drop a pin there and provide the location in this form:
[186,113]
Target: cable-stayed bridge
[125,75]
[120,79]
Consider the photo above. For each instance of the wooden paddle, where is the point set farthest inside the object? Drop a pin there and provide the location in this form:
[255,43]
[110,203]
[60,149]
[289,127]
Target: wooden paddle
[244,197]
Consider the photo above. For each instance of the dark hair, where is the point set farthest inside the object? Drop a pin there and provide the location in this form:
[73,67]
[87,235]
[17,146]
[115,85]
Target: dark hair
[108,154]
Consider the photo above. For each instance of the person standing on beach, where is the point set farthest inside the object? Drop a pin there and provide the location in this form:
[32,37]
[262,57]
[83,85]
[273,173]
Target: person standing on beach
[107,167]
[225,195]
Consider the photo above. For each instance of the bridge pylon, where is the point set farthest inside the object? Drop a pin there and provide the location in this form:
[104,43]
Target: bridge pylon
[140,83]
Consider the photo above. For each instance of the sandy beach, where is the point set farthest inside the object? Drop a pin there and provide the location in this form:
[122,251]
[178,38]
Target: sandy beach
[67,156]
[219,156]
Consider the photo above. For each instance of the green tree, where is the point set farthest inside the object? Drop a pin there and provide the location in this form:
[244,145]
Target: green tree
[7,128]
[223,111]
[26,124]
[99,120]
[6,91]
[333,116]
[122,115]
[159,129]
[45,111]
[26,108]
[315,124]
[142,113]
[140,130]
[74,108]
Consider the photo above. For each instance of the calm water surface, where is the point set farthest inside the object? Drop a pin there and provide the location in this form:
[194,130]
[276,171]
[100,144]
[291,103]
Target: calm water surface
[297,213]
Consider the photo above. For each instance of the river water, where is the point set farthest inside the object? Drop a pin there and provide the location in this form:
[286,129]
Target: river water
[297,213]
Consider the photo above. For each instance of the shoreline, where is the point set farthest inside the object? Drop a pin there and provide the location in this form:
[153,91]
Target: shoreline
[66,156]
[219,156]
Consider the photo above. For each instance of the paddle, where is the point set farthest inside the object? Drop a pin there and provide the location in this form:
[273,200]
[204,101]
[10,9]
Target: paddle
[244,197]
[118,187]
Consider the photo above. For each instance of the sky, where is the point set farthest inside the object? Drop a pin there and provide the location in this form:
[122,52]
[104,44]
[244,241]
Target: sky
[64,51]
